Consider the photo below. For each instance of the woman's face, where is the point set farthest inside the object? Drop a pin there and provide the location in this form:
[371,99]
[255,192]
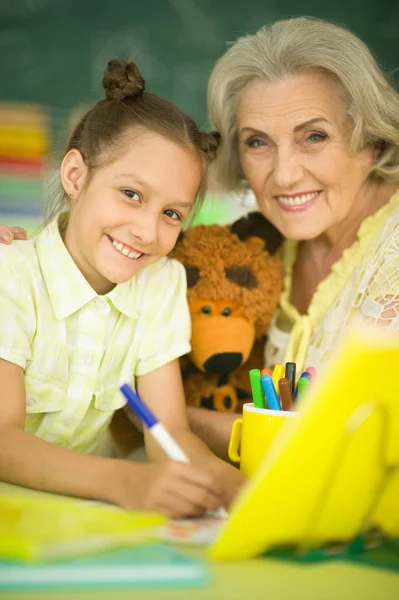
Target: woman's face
[294,151]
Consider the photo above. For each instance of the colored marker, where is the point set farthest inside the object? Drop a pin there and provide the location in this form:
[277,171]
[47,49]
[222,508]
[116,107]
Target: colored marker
[290,373]
[157,430]
[266,372]
[270,393]
[278,373]
[312,372]
[304,375]
[285,394]
[256,387]
[303,384]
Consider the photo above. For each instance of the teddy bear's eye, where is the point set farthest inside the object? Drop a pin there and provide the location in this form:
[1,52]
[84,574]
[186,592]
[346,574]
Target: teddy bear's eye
[226,312]
[206,310]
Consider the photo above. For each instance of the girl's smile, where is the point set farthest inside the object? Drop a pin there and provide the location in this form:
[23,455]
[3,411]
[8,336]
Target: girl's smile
[125,250]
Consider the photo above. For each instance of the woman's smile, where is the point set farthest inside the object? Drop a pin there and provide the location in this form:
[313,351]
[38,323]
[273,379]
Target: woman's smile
[298,202]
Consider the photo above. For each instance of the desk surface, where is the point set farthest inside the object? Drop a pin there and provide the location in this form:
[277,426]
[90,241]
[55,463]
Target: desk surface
[257,579]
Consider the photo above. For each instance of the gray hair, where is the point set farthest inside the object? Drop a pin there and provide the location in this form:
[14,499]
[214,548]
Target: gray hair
[294,46]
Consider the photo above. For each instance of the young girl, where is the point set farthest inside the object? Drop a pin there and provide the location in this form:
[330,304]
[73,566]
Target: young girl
[93,302]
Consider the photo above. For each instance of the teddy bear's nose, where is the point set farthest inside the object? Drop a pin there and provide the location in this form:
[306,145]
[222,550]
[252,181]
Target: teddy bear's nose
[223,362]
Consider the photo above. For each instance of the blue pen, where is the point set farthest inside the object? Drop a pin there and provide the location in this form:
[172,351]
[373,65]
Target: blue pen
[157,430]
[270,392]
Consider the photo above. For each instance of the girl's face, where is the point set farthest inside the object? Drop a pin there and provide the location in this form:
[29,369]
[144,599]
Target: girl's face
[129,214]
[294,151]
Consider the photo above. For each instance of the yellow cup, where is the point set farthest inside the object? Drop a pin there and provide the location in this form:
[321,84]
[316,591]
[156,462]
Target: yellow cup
[253,433]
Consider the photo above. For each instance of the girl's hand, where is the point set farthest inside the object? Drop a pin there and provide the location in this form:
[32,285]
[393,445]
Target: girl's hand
[231,480]
[8,234]
[175,489]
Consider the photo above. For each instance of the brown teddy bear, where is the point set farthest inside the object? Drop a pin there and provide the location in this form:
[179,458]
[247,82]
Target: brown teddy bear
[234,280]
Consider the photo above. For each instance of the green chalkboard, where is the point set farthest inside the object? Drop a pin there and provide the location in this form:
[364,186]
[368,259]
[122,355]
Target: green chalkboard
[54,51]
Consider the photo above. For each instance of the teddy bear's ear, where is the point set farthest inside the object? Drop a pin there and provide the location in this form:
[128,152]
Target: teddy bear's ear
[193,276]
[258,229]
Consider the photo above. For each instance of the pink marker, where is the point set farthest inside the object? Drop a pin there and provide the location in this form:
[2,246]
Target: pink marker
[312,372]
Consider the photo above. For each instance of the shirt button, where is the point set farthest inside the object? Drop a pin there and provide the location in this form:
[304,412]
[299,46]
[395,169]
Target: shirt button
[69,420]
[31,402]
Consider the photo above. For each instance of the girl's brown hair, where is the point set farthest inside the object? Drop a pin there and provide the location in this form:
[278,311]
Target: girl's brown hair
[101,133]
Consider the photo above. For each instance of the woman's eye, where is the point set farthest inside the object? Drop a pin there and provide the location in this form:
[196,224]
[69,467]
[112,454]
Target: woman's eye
[131,194]
[173,214]
[255,143]
[316,137]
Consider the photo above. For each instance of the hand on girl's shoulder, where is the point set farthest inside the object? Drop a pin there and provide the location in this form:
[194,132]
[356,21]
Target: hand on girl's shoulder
[9,234]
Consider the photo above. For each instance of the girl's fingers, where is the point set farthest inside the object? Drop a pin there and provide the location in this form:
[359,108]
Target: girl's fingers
[179,506]
[197,499]
[203,482]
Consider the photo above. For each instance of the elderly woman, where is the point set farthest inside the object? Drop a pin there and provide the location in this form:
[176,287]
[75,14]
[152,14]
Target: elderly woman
[309,123]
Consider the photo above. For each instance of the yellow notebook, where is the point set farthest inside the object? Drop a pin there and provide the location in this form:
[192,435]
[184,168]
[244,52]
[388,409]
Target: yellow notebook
[39,527]
[333,472]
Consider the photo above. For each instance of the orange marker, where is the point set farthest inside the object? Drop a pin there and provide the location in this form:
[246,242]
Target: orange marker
[266,372]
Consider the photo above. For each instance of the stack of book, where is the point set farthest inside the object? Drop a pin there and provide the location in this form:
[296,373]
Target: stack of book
[24,146]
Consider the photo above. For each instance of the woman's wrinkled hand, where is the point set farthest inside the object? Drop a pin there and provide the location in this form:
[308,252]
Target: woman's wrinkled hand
[8,234]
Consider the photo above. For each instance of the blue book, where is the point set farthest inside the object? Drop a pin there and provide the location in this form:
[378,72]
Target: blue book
[151,565]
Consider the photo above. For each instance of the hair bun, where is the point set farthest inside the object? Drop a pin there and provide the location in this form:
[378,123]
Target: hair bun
[210,142]
[122,80]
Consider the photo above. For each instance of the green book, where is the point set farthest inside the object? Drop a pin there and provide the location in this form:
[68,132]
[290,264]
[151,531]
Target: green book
[151,565]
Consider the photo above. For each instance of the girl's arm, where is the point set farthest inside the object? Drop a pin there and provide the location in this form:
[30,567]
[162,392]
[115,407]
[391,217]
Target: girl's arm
[175,489]
[162,390]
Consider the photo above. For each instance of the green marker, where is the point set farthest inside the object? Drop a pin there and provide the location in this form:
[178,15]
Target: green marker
[303,384]
[256,387]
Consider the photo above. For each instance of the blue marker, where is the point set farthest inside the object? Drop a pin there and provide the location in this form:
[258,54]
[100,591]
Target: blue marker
[270,392]
[305,375]
[157,430]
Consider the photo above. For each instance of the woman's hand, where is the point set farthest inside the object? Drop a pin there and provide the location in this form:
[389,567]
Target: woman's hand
[8,234]
[174,489]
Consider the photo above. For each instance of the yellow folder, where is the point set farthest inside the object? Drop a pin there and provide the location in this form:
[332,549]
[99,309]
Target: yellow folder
[333,472]
[38,527]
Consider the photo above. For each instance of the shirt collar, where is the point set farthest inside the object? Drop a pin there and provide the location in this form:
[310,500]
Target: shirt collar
[68,289]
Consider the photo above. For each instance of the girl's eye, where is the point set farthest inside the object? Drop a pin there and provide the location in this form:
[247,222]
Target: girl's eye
[131,194]
[316,137]
[173,214]
[255,143]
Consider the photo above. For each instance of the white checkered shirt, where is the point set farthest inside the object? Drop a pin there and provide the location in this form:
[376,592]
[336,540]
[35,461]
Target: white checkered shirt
[77,347]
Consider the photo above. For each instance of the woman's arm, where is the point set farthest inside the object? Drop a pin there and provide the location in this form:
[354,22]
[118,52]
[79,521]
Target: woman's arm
[175,489]
[162,390]
[213,428]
